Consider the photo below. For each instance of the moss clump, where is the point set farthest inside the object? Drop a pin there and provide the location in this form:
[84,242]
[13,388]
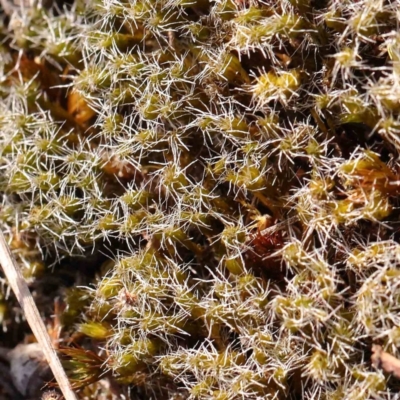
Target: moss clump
[237,161]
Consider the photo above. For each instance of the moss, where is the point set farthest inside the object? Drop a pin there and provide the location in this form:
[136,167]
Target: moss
[236,162]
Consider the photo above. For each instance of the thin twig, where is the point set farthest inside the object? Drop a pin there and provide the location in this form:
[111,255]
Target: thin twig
[21,291]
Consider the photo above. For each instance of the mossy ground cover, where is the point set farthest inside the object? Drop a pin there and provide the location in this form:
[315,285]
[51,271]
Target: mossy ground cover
[211,189]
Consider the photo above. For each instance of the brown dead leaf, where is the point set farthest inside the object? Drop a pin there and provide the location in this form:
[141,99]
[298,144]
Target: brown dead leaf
[79,109]
[121,168]
[25,69]
[284,58]
[384,360]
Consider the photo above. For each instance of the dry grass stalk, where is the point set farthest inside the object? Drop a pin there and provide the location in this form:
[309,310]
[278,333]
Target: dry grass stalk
[21,290]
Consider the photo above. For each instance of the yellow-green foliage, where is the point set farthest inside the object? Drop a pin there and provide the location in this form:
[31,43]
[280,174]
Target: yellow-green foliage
[238,162]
